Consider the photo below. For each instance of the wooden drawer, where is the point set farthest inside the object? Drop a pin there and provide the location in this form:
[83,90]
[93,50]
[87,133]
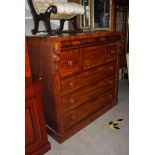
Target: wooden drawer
[111,51]
[69,62]
[74,82]
[87,108]
[90,41]
[66,44]
[80,96]
[93,56]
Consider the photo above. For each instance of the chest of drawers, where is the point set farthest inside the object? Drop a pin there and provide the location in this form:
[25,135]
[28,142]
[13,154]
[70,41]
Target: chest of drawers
[80,78]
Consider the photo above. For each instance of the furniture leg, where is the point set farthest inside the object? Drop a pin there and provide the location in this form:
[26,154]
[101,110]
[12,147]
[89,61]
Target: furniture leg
[50,9]
[74,23]
[36,25]
[62,21]
[48,25]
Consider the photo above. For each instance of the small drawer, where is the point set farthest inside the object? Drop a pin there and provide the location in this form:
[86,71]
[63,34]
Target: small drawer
[89,41]
[74,82]
[80,96]
[68,44]
[93,56]
[88,108]
[69,62]
[111,51]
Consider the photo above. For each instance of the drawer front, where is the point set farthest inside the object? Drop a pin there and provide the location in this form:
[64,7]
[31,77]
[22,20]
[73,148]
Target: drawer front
[72,83]
[93,56]
[87,108]
[69,62]
[69,44]
[80,96]
[111,51]
[90,41]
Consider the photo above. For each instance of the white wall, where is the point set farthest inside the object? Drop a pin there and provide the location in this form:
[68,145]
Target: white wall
[29,25]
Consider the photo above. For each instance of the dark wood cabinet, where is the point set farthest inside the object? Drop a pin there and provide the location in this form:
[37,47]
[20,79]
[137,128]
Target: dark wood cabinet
[36,135]
[36,142]
[80,78]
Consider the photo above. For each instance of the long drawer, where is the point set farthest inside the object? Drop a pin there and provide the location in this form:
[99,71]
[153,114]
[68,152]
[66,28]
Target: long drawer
[86,109]
[74,82]
[80,96]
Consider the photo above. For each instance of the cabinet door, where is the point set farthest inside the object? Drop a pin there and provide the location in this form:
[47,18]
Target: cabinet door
[34,130]
[33,137]
[36,141]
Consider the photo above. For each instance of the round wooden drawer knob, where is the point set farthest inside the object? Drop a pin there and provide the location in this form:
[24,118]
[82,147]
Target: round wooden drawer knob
[70,62]
[56,57]
[110,82]
[73,117]
[71,101]
[110,96]
[112,52]
[71,84]
[111,68]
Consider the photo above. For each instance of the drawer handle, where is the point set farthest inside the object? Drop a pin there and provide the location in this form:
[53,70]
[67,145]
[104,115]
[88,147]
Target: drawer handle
[71,101]
[70,62]
[110,96]
[56,67]
[71,84]
[56,57]
[111,68]
[112,52]
[73,117]
[110,82]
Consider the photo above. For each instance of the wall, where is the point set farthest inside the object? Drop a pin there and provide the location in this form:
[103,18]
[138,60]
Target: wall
[29,25]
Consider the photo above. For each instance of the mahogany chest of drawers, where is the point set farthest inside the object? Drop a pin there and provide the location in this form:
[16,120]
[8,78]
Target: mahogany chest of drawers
[80,78]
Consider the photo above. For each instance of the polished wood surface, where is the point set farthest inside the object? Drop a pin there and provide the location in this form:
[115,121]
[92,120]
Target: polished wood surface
[28,75]
[36,142]
[80,78]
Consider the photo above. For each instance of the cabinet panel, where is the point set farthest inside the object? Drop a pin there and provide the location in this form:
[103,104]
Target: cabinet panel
[33,130]
[29,127]
[36,141]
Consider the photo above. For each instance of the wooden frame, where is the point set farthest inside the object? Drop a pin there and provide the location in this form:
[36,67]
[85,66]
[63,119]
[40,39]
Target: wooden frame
[92,25]
[89,16]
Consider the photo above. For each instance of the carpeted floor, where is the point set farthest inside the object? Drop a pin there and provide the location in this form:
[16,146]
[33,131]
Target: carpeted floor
[97,138]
